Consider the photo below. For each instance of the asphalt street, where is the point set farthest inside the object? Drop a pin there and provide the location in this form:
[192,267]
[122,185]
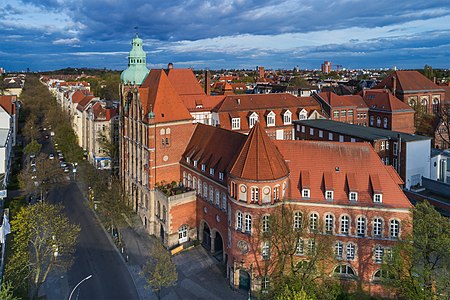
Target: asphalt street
[94,253]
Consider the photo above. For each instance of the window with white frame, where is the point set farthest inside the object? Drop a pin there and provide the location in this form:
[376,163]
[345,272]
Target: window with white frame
[338,250]
[329,223]
[361,226]
[330,136]
[311,131]
[248,223]
[395,149]
[344,271]
[371,120]
[341,138]
[320,133]
[265,283]
[329,195]
[253,119]
[382,145]
[224,201]
[270,119]
[297,220]
[336,114]
[217,198]
[276,193]
[351,249]
[303,115]
[205,191]
[378,121]
[303,129]
[184,178]
[350,112]
[299,250]
[265,250]
[183,234]
[345,222]
[235,123]
[313,222]
[287,118]
[203,167]
[311,247]
[194,182]
[200,187]
[220,175]
[211,171]
[265,223]
[353,196]
[305,193]
[195,163]
[211,194]
[255,194]
[385,122]
[394,229]
[377,227]
[377,198]
[238,220]
[378,254]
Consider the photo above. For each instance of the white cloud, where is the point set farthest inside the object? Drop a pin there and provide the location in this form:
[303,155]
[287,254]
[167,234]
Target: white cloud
[70,41]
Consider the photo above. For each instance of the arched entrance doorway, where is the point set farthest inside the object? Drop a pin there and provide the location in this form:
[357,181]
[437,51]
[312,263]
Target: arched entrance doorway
[206,242]
[244,280]
[218,247]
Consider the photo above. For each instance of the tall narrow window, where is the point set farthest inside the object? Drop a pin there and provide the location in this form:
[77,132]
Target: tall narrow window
[255,194]
[300,246]
[276,193]
[338,250]
[239,220]
[361,226]
[329,224]
[377,227]
[378,254]
[313,220]
[248,223]
[350,251]
[297,220]
[265,250]
[345,220]
[265,223]
[394,229]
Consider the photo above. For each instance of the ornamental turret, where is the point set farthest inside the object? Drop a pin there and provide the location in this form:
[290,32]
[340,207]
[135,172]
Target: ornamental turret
[137,70]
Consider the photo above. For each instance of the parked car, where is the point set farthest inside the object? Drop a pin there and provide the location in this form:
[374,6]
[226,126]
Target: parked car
[66,170]
[32,155]
[51,156]
[63,164]
[33,163]
[33,169]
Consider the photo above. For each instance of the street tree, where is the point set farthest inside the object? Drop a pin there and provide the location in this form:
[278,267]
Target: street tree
[160,272]
[42,177]
[43,240]
[30,128]
[443,127]
[420,265]
[34,147]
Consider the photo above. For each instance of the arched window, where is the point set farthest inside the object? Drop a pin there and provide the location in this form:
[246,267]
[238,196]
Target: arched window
[378,121]
[435,106]
[211,194]
[377,227]
[344,271]
[238,220]
[371,120]
[329,223]
[162,131]
[224,201]
[394,229]
[248,223]
[217,198]
[345,222]
[361,226]
[265,223]
[183,234]
[194,182]
[385,122]
[313,222]
[297,220]
[189,183]
[284,190]
[158,209]
[164,212]
[205,191]
[184,178]
[200,188]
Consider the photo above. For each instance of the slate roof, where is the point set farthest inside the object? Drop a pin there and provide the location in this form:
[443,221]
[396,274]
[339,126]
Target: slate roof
[336,165]
[362,132]
[382,99]
[258,159]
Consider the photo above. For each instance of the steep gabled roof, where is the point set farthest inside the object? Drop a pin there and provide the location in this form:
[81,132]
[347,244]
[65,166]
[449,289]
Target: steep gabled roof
[259,159]
[342,101]
[8,103]
[84,102]
[185,82]
[409,81]
[158,95]
[383,99]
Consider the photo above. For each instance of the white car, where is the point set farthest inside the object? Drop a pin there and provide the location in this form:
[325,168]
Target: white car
[51,156]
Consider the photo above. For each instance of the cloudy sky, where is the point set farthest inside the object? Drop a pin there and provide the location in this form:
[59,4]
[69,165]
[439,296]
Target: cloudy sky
[53,34]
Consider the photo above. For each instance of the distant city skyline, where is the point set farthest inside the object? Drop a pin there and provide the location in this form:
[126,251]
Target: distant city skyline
[54,34]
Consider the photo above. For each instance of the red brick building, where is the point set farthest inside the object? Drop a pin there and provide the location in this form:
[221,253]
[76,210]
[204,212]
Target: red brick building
[346,108]
[388,112]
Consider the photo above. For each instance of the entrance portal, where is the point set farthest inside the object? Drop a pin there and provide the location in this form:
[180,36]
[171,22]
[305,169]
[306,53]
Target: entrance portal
[218,247]
[206,237]
[244,280]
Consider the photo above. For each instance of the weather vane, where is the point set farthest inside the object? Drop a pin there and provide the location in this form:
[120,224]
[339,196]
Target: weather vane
[136,28]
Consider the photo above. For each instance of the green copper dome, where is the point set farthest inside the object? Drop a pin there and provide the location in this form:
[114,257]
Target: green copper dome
[137,70]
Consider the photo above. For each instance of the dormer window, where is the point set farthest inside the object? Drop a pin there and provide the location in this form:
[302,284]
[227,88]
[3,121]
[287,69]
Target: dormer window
[287,117]
[188,160]
[235,123]
[306,193]
[253,119]
[303,114]
[377,198]
[220,175]
[329,195]
[211,171]
[353,196]
[195,163]
[203,167]
[270,119]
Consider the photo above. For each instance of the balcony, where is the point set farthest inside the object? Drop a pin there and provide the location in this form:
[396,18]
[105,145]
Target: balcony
[174,191]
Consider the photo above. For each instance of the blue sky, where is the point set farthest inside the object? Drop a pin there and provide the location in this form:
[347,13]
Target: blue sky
[53,34]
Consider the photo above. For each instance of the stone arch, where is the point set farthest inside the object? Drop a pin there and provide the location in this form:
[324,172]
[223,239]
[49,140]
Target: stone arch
[217,245]
[205,234]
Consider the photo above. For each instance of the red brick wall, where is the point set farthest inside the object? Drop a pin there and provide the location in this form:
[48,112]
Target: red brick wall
[183,214]
[403,122]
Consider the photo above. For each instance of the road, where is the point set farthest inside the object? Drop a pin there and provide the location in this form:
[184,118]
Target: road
[94,253]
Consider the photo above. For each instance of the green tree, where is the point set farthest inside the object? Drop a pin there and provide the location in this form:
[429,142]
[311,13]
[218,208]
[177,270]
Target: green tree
[298,81]
[420,265]
[161,271]
[7,292]
[43,240]
[289,294]
[30,129]
[32,148]
[428,72]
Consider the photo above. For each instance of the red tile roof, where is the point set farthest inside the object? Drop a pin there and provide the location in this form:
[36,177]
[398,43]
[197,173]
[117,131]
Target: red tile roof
[102,113]
[336,101]
[8,103]
[84,102]
[201,102]
[259,159]
[157,94]
[206,147]
[356,164]
[383,99]
[409,81]
[185,82]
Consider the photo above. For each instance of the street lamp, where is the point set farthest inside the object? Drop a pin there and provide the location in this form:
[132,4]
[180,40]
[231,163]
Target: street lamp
[83,280]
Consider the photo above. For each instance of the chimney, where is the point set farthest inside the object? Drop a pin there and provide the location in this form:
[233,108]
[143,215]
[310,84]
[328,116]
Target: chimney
[170,66]
[364,92]
[207,83]
[394,84]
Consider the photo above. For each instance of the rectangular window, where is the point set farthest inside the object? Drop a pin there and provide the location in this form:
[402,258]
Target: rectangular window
[305,193]
[303,129]
[352,140]
[265,251]
[300,247]
[211,171]
[220,176]
[203,167]
[235,123]
[382,145]
[341,138]
[330,136]
[377,198]
[395,149]
[311,131]
[320,133]
[343,113]
[329,195]
[353,196]
[336,114]
[195,163]
[350,112]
